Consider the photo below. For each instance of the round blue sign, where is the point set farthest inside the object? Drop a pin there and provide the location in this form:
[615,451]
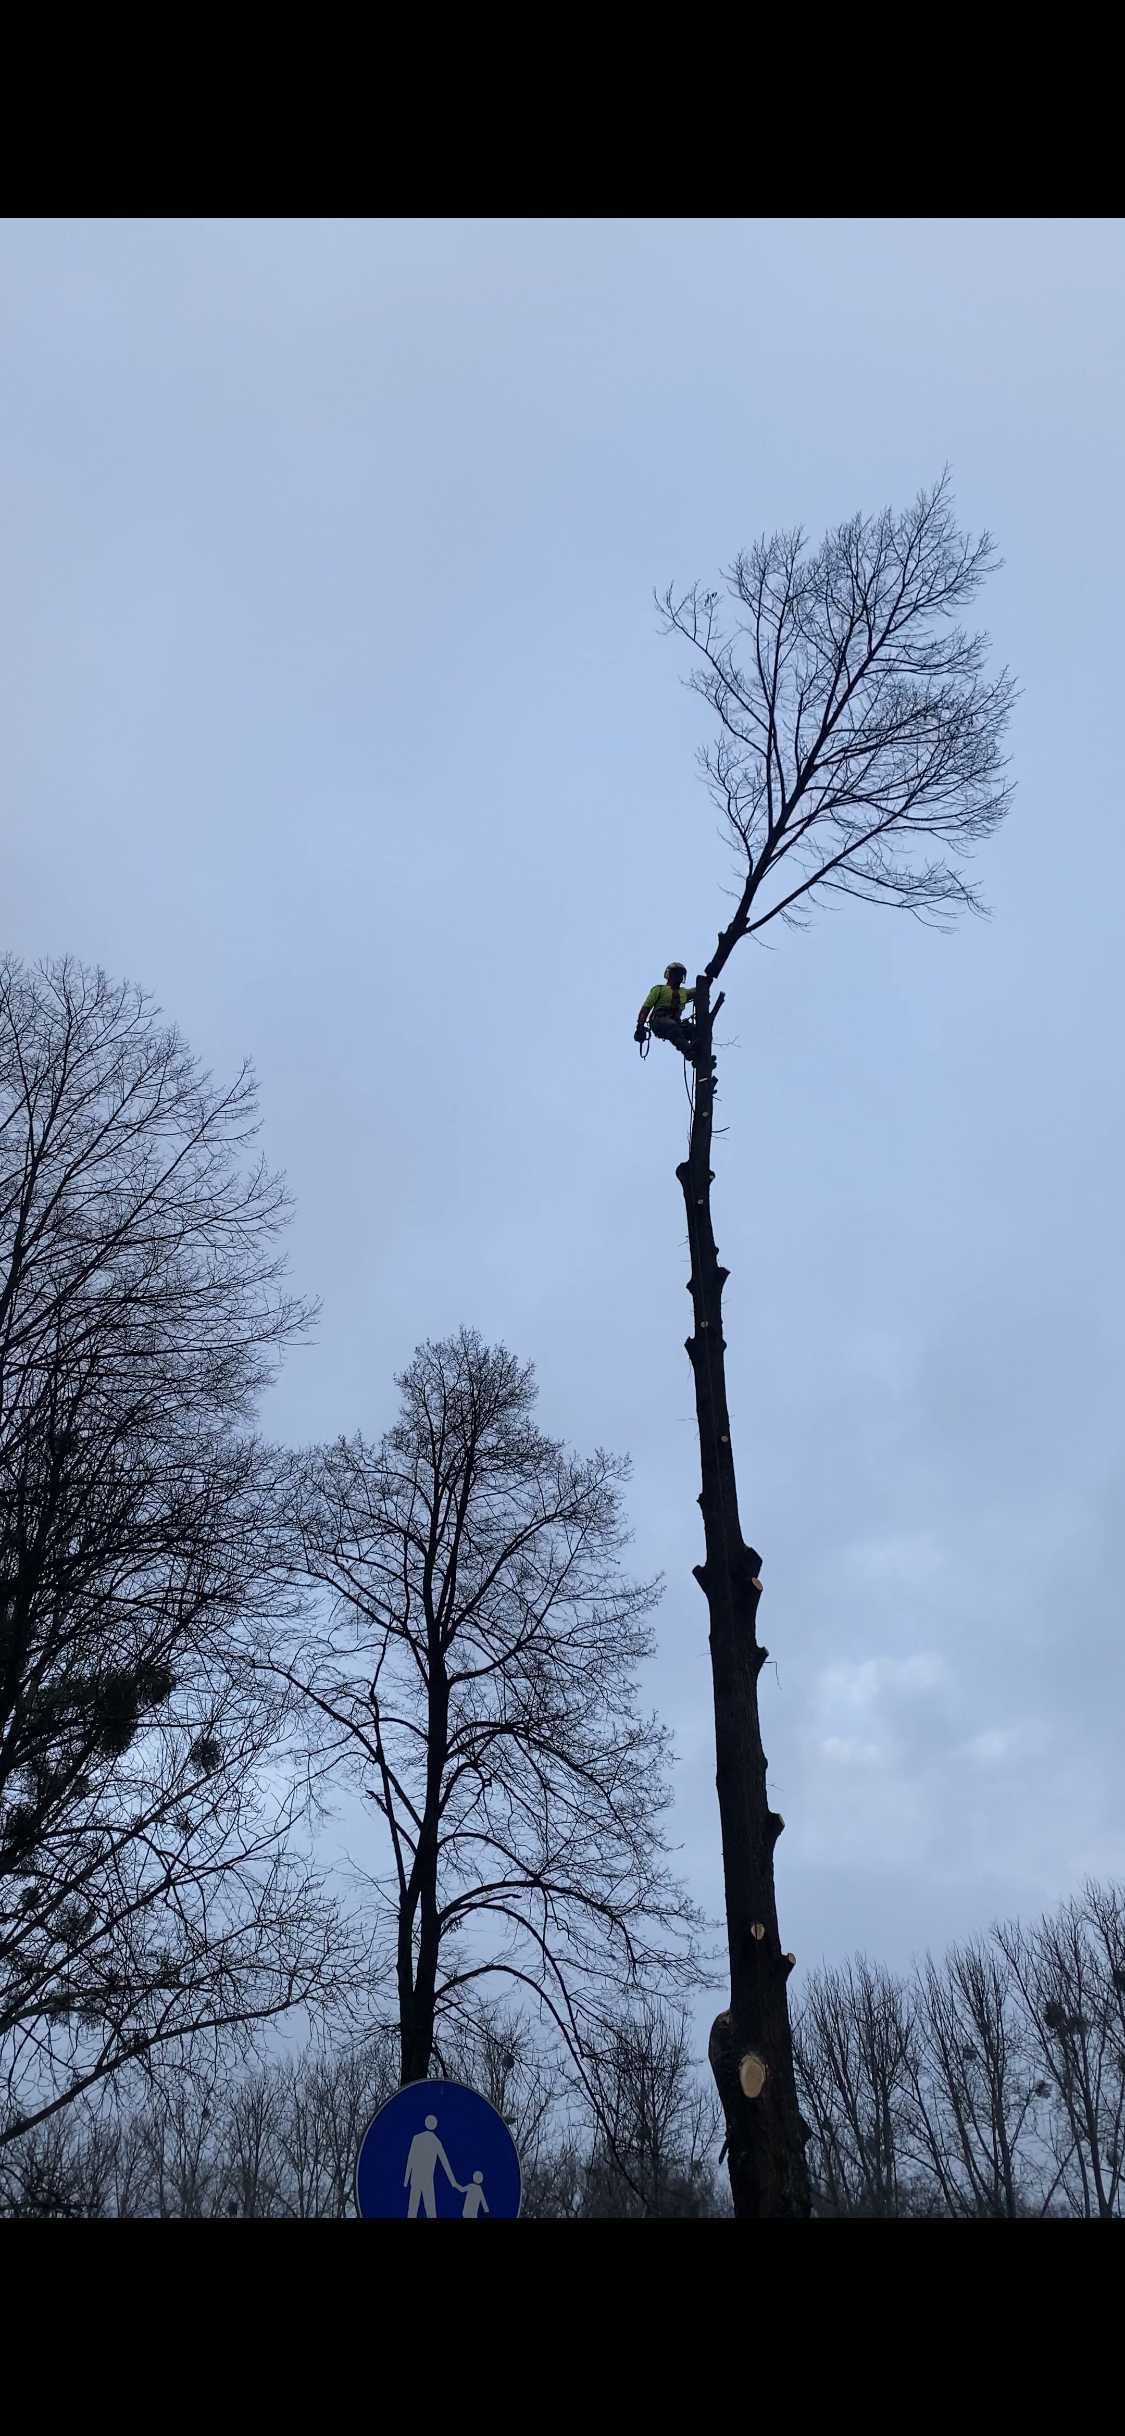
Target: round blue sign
[437,2149]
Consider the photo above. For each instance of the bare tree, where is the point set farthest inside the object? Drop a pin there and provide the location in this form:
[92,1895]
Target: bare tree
[852,2045]
[327,2100]
[858,753]
[148,1890]
[1070,1974]
[992,2085]
[977,2088]
[63,2169]
[253,2179]
[183,2155]
[495,2052]
[654,2128]
[475,1674]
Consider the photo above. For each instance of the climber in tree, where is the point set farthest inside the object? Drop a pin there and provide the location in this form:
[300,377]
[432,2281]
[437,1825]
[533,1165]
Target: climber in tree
[662,1012]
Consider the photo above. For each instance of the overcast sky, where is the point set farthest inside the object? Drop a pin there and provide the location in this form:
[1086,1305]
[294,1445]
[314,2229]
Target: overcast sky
[337,712]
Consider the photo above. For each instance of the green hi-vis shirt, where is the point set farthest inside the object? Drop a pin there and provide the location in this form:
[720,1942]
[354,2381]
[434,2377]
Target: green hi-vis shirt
[664,1000]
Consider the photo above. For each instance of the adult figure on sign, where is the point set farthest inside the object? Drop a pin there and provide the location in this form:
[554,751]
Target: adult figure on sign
[423,2155]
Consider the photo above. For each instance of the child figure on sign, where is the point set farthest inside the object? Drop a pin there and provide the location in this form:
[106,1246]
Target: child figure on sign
[475,2202]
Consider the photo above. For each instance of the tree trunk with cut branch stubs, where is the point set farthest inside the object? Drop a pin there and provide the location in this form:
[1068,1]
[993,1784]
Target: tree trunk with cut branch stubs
[750,2048]
[858,753]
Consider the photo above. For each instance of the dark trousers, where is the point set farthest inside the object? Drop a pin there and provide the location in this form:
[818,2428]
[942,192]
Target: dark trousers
[674,1029]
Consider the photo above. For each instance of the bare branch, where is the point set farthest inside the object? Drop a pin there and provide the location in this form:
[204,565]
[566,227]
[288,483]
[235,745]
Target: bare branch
[857,729]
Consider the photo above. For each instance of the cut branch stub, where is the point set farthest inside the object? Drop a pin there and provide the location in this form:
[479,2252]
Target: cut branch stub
[753,2074]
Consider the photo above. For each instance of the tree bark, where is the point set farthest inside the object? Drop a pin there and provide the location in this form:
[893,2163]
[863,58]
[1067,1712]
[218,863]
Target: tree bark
[751,2048]
[417,1969]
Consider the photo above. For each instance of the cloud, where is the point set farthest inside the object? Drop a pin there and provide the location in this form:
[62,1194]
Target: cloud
[850,1751]
[1025,1738]
[905,1558]
[863,1685]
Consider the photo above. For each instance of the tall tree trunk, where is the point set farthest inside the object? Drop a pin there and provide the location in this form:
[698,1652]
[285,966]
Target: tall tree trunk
[417,1969]
[416,2013]
[751,2048]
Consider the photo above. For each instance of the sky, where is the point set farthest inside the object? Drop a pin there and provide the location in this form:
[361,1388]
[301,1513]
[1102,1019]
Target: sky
[338,713]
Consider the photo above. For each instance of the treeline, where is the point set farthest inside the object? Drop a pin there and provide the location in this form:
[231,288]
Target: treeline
[635,2133]
[991,2084]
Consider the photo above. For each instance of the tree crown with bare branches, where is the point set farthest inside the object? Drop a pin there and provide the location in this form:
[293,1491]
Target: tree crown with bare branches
[479,1670]
[147,1893]
[859,747]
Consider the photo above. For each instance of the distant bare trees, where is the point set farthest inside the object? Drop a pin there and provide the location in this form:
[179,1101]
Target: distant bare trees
[989,2084]
[975,2109]
[992,2084]
[148,1892]
[278,2139]
[851,2040]
[281,2139]
[655,2126]
[1069,1982]
[473,1667]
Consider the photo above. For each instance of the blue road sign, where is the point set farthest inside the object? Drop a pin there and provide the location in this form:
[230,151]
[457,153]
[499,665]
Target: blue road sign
[437,2149]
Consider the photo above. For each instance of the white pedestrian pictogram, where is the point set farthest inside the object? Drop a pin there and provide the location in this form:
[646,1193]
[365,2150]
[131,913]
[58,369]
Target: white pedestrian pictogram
[424,2154]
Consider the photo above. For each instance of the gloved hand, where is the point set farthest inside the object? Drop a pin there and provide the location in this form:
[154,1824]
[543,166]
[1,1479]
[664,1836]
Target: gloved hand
[640,1032]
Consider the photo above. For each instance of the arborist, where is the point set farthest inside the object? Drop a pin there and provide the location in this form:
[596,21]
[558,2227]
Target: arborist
[662,1013]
